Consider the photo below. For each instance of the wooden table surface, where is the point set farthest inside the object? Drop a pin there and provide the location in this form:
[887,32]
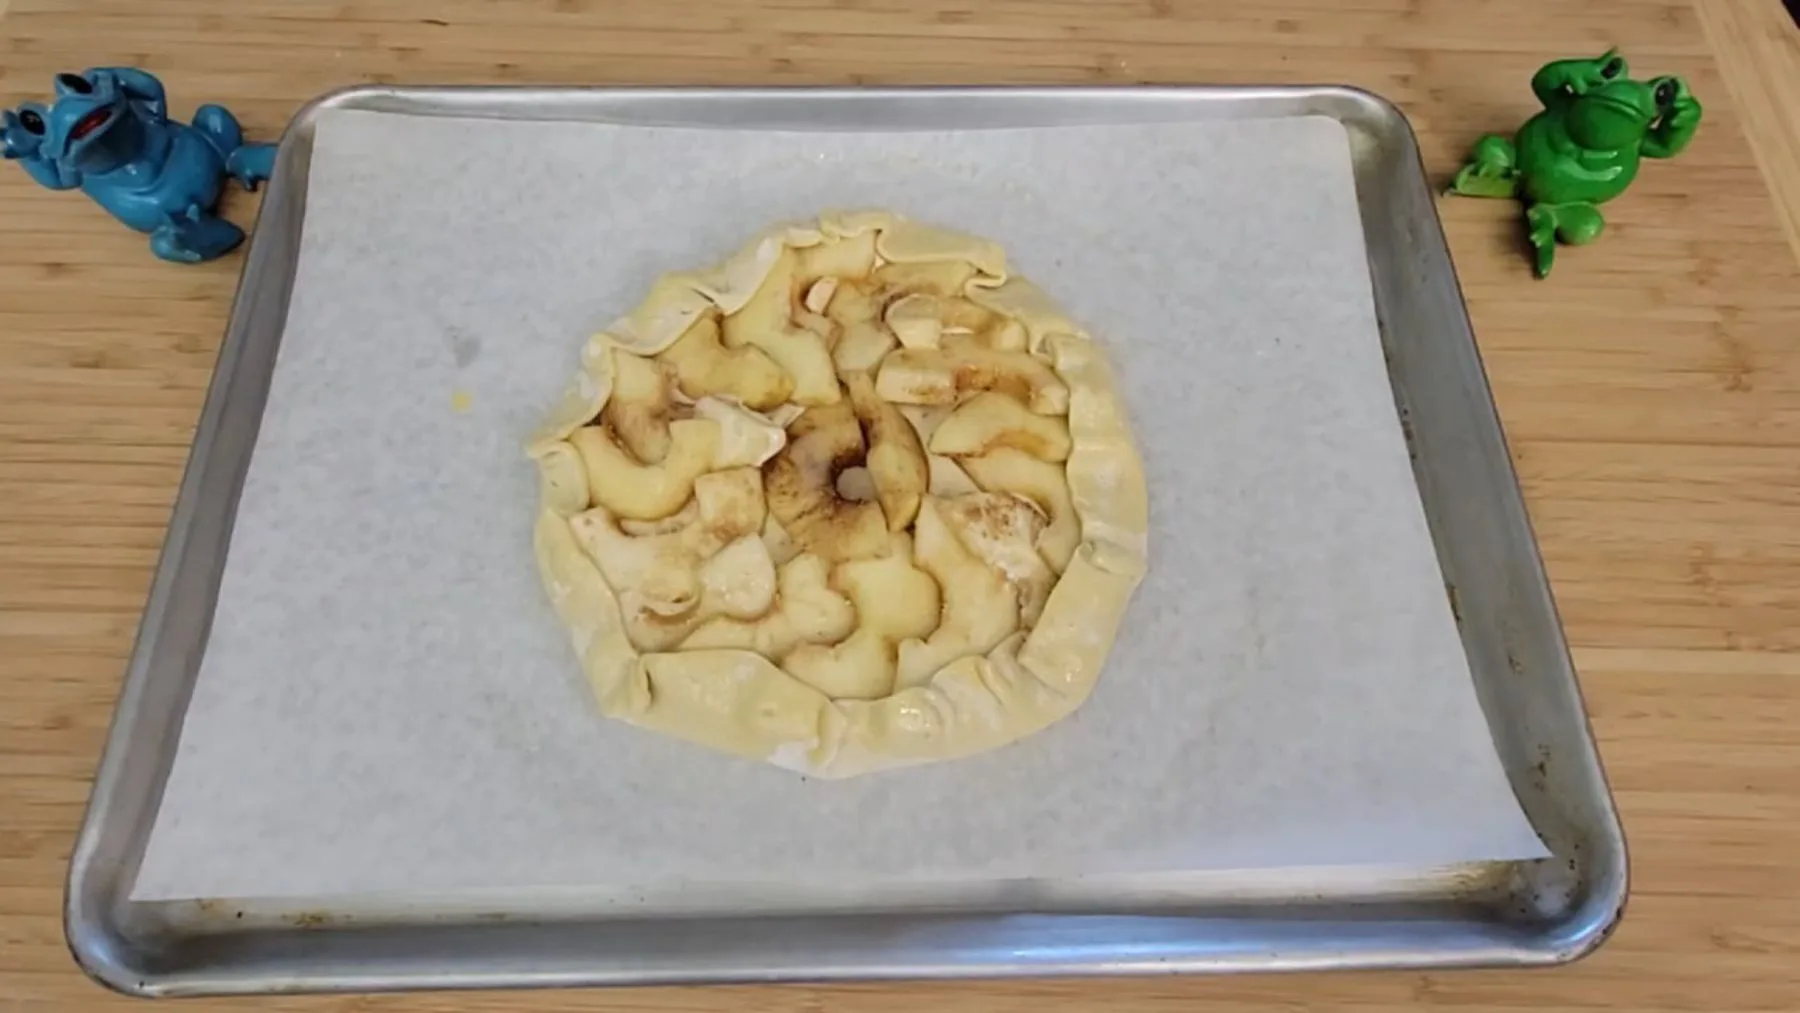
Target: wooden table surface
[1651,391]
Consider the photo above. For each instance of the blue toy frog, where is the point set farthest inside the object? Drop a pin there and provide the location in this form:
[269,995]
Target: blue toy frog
[109,133]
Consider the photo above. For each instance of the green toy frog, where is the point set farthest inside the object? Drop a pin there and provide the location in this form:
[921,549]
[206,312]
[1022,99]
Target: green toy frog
[1582,150]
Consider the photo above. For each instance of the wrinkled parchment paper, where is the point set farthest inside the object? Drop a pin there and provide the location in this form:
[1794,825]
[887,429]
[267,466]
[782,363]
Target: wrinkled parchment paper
[388,705]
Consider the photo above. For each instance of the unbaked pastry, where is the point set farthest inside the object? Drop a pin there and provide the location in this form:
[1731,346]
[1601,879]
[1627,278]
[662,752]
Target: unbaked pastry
[854,499]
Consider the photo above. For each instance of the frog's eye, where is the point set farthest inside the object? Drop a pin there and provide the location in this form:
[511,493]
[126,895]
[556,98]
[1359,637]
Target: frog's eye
[75,83]
[1665,91]
[1611,68]
[30,120]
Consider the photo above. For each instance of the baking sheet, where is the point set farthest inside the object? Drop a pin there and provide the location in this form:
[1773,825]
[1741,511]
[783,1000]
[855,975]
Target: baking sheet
[387,705]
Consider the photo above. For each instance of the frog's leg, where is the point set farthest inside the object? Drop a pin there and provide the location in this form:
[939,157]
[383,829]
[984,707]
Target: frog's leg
[249,164]
[1671,133]
[1493,170]
[141,87]
[50,173]
[194,235]
[220,128]
[1575,223]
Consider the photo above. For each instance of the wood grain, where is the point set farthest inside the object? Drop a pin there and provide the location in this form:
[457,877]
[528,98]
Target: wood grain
[1759,56]
[1651,391]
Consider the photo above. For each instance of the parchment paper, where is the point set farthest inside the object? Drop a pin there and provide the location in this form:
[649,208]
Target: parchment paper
[388,705]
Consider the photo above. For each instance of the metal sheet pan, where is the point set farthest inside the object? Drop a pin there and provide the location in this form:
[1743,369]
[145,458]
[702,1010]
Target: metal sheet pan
[1526,913]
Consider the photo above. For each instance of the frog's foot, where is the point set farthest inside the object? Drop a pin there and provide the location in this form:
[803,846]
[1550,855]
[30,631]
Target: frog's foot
[193,236]
[1492,170]
[1576,223]
[250,164]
